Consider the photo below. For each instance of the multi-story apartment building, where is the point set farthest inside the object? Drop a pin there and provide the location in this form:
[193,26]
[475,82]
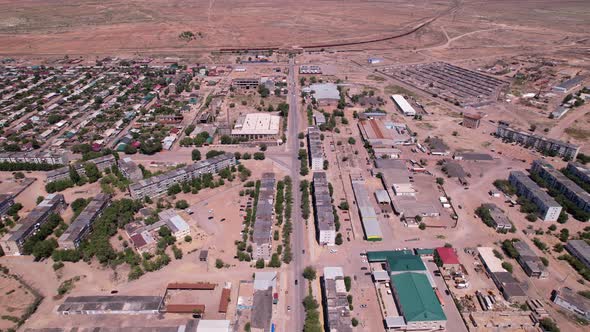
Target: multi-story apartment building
[12,243]
[538,142]
[158,185]
[63,173]
[579,170]
[6,201]
[579,249]
[263,221]
[316,152]
[324,211]
[35,157]
[558,181]
[81,227]
[129,169]
[549,209]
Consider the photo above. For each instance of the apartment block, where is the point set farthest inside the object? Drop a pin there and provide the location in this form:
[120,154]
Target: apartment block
[580,171]
[549,209]
[558,181]
[530,262]
[63,173]
[324,211]
[129,169]
[6,201]
[35,157]
[158,185]
[263,221]
[12,243]
[538,142]
[81,227]
[316,151]
[579,249]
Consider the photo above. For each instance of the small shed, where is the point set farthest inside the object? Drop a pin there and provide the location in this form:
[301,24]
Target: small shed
[203,254]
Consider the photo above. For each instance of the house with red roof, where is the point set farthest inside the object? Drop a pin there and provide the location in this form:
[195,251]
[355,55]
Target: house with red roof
[447,258]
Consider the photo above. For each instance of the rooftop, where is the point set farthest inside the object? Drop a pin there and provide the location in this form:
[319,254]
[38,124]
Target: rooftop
[398,260]
[325,91]
[448,255]
[257,124]
[416,298]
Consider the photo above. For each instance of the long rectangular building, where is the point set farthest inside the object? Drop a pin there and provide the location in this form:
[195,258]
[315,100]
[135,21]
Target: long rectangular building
[580,171]
[538,142]
[6,201]
[81,227]
[316,152]
[334,299]
[62,173]
[549,209]
[324,211]
[34,157]
[403,105]
[558,181]
[158,185]
[12,243]
[366,209]
[263,221]
[530,262]
[579,249]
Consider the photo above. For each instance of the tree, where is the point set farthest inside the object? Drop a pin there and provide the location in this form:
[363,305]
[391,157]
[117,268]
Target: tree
[351,141]
[219,263]
[348,283]
[188,239]
[343,206]
[19,175]
[422,226]
[339,240]
[507,266]
[40,199]
[74,176]
[275,261]
[246,156]
[309,273]
[182,204]
[440,181]
[549,325]
[174,189]
[196,155]
[260,263]
[259,156]
[92,172]
[130,149]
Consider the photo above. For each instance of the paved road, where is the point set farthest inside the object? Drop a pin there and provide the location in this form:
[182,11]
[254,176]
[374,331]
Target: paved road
[298,239]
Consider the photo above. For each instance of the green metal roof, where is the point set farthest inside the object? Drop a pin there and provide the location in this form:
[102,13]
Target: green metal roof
[398,261]
[416,297]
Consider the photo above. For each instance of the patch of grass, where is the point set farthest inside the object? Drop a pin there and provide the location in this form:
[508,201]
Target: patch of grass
[395,89]
[375,78]
[578,133]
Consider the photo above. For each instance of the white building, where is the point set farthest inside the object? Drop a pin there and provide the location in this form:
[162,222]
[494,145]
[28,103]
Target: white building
[257,126]
[403,105]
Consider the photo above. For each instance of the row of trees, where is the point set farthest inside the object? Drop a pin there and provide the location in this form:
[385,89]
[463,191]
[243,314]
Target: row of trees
[21,166]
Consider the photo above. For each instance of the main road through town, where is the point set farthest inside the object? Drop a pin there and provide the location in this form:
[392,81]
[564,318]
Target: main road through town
[298,238]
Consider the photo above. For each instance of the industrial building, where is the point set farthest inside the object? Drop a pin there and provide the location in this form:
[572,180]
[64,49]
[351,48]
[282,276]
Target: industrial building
[571,301]
[510,287]
[63,173]
[310,69]
[324,211]
[365,209]
[558,181]
[81,227]
[257,126]
[580,171]
[262,236]
[549,209]
[316,150]
[337,316]
[471,120]
[395,176]
[403,105]
[245,83]
[34,157]
[101,305]
[264,288]
[412,288]
[158,185]
[570,84]
[6,201]
[12,243]
[438,147]
[530,262]
[448,258]
[326,94]
[537,142]
[387,134]
[129,169]
[579,249]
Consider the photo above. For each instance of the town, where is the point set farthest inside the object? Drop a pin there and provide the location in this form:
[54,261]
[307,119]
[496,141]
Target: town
[310,188]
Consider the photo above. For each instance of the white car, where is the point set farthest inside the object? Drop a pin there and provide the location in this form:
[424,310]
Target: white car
[333,251]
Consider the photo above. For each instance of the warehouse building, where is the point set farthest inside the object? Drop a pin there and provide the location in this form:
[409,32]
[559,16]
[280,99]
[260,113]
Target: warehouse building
[324,211]
[403,105]
[337,316]
[101,305]
[395,176]
[81,227]
[365,209]
[471,120]
[245,83]
[570,84]
[579,249]
[326,94]
[310,69]
[530,262]
[558,181]
[262,236]
[257,126]
[158,185]
[63,173]
[549,209]
[510,287]
[537,142]
[571,301]
[386,134]
[12,243]
[316,150]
